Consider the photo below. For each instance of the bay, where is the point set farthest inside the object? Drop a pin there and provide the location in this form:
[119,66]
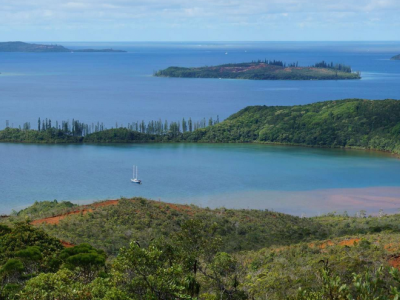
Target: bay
[119,88]
[289,179]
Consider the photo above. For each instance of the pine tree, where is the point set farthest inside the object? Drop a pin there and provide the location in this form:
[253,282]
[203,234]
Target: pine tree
[190,125]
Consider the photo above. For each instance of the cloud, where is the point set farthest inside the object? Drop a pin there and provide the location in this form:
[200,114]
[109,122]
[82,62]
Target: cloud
[196,13]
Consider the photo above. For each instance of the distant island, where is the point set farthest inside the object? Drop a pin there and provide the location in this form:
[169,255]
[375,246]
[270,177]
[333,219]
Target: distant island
[396,57]
[39,48]
[265,70]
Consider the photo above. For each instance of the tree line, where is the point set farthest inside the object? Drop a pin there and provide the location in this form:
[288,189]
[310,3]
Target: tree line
[338,67]
[158,127]
[322,64]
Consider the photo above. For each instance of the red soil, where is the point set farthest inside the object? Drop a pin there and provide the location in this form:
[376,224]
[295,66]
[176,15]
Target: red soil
[347,242]
[392,247]
[84,209]
[394,261]
[67,244]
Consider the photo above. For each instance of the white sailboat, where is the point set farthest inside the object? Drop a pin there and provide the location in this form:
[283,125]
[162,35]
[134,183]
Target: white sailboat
[135,176]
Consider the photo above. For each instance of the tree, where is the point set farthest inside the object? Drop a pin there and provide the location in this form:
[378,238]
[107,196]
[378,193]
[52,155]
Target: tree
[147,273]
[31,256]
[11,270]
[190,125]
[85,259]
[184,125]
[61,286]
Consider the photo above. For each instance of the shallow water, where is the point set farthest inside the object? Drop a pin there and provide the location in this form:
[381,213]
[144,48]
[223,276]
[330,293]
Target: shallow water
[254,176]
[119,87]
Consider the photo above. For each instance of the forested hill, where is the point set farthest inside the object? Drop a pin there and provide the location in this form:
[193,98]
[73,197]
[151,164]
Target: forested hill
[265,70]
[351,123]
[396,57]
[346,123]
[171,251]
[27,47]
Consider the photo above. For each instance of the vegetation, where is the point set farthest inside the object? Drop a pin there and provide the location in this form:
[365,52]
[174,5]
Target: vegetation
[142,220]
[340,269]
[78,132]
[265,70]
[396,57]
[351,123]
[45,209]
[26,47]
[185,252]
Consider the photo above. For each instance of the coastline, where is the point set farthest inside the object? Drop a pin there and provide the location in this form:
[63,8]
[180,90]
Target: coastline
[317,202]
[271,79]
[322,201]
[389,153]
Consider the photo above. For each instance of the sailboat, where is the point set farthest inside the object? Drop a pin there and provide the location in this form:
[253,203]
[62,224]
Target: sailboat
[135,177]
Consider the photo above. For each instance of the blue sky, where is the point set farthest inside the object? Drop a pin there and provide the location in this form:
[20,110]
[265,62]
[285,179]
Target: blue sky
[199,20]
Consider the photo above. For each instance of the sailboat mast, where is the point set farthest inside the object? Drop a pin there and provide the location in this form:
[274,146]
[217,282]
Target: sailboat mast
[136,172]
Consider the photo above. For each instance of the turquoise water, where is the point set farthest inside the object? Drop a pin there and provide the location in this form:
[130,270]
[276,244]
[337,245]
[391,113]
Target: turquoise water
[119,87]
[202,174]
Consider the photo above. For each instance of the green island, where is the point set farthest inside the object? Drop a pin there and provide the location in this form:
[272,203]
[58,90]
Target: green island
[350,123]
[137,249]
[396,57]
[265,70]
[38,48]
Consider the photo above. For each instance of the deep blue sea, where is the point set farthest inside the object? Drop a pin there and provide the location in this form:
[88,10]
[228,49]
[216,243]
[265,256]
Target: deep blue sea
[119,88]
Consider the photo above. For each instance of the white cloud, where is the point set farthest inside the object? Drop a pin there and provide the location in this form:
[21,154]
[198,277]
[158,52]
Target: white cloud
[201,13]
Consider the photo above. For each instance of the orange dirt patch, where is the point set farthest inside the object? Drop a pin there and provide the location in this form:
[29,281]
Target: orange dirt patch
[349,242]
[322,245]
[84,210]
[67,244]
[394,261]
[392,247]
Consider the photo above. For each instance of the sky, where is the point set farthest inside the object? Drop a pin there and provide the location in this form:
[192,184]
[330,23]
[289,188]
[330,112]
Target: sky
[200,20]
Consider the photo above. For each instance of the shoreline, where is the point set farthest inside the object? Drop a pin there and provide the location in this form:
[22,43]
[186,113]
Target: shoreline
[388,153]
[318,202]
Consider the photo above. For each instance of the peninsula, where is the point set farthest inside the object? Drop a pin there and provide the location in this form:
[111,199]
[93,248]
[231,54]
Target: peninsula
[39,48]
[396,57]
[350,123]
[265,70]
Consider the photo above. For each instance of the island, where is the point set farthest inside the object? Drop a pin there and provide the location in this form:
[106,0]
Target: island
[39,48]
[265,70]
[396,57]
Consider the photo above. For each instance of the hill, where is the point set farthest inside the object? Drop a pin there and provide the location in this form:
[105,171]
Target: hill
[396,57]
[352,123]
[184,252]
[27,47]
[264,70]
[143,220]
